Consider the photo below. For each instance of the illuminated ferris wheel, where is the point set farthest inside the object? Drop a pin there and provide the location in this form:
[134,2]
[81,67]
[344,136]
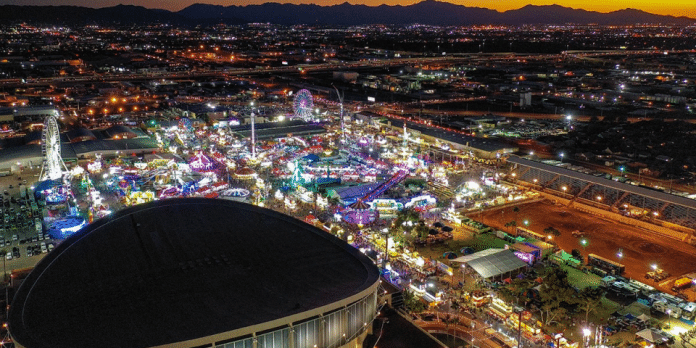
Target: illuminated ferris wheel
[53,165]
[303,104]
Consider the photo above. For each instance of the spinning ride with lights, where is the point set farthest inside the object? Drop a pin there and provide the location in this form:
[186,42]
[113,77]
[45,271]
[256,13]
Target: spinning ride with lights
[359,213]
[53,166]
[303,104]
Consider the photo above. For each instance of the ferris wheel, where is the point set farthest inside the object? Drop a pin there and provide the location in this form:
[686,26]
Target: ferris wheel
[303,104]
[53,165]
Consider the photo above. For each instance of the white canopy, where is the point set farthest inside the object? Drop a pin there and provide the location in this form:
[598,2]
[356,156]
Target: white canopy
[650,335]
[492,262]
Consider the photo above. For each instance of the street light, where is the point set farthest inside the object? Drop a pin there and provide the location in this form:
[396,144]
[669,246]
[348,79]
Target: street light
[562,155]
[619,254]
[385,233]
[584,243]
[558,339]
[586,335]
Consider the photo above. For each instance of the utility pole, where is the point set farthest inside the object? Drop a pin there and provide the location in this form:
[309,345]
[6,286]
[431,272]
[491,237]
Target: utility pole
[343,128]
[253,133]
[519,329]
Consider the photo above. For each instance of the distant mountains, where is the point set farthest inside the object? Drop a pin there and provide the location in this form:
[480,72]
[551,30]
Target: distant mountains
[427,12]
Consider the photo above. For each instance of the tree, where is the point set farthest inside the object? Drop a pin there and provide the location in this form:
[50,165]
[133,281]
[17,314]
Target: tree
[421,231]
[413,302]
[576,254]
[554,291]
[406,215]
[4,269]
[590,299]
[552,231]
[512,223]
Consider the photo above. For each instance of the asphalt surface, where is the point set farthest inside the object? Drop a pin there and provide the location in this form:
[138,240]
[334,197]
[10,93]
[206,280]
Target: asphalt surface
[641,248]
[31,176]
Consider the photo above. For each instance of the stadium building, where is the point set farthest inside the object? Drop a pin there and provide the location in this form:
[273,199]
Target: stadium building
[197,273]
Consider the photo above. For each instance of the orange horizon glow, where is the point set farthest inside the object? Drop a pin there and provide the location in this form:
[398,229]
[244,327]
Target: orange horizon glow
[677,8]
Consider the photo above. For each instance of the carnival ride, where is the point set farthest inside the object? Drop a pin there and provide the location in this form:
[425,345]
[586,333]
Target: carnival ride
[53,166]
[303,104]
[360,213]
[398,177]
[66,226]
[235,192]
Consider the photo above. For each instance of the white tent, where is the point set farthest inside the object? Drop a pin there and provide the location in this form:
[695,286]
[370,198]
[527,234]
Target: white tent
[492,262]
[650,335]
[643,317]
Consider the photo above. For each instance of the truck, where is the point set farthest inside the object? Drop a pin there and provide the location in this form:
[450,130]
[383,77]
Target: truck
[682,283]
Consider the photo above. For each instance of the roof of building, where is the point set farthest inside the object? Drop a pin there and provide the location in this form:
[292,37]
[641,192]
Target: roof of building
[80,134]
[492,262]
[180,269]
[113,131]
[73,150]
[349,192]
[482,144]
[274,130]
[637,190]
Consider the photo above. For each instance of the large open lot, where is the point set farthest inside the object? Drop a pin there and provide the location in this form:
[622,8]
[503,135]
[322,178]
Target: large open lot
[605,238]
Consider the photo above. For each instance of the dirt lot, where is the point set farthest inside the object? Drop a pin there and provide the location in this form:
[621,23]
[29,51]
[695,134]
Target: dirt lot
[641,248]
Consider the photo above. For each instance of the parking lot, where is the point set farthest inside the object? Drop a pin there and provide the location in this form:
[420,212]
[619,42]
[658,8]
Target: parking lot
[22,239]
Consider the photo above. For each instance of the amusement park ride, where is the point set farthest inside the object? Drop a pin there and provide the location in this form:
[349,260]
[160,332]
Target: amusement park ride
[303,105]
[53,166]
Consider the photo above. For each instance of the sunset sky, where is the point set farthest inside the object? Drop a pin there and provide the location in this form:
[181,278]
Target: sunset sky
[675,7]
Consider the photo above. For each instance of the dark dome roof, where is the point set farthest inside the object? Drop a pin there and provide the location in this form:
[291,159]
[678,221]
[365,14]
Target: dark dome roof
[180,269]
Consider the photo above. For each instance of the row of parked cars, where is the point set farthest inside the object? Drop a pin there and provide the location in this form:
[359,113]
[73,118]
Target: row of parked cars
[39,237]
[32,250]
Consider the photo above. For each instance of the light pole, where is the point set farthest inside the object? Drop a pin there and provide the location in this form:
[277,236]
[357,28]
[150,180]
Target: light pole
[558,339]
[343,129]
[253,133]
[583,242]
[586,336]
[385,233]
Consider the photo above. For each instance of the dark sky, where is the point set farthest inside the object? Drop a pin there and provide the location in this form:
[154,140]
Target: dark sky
[674,7]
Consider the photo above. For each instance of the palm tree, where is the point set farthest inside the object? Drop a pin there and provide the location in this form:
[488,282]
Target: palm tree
[552,231]
[4,266]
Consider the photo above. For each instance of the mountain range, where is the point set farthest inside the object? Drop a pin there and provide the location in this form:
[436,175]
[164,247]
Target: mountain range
[429,12]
